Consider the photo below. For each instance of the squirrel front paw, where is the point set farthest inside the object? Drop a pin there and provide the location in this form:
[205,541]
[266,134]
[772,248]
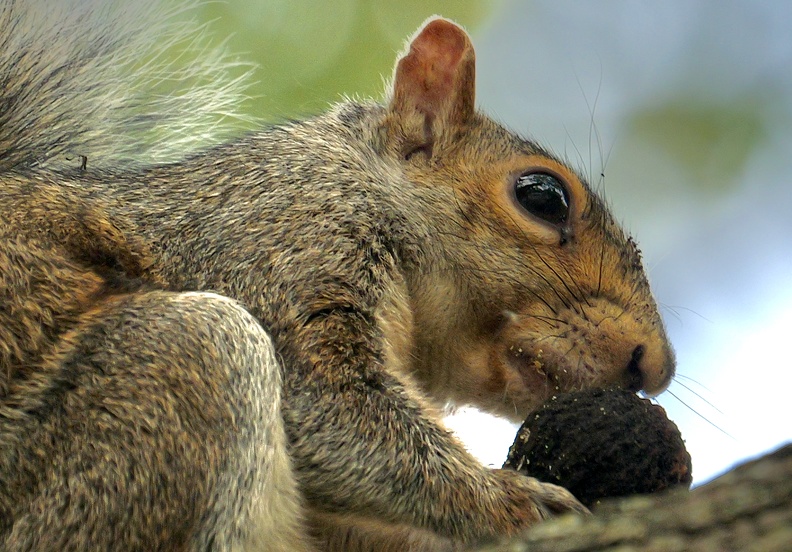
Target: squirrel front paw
[529,501]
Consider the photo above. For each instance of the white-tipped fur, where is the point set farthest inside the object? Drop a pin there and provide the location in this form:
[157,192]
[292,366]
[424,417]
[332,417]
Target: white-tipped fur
[183,94]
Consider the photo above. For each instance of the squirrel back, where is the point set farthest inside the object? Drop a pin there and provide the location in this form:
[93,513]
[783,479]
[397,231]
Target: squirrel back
[400,255]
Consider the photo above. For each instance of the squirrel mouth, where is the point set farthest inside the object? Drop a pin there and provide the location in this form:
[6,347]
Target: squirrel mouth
[544,372]
[534,371]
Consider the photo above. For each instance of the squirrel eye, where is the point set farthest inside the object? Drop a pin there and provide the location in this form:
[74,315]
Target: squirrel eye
[544,196]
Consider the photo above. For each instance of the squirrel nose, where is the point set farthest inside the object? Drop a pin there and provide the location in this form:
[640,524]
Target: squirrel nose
[634,376]
[647,374]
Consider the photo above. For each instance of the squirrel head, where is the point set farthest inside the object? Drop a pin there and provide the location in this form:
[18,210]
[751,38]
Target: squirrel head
[532,288]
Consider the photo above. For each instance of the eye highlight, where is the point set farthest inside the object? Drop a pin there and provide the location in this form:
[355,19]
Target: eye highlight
[544,196]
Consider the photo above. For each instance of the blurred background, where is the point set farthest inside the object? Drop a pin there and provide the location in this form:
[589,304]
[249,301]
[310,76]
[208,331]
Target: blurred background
[678,112]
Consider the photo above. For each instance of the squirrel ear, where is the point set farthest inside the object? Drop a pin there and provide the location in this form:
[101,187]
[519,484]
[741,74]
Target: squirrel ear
[435,79]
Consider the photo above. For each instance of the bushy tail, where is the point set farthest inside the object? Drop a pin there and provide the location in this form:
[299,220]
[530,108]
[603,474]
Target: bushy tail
[110,82]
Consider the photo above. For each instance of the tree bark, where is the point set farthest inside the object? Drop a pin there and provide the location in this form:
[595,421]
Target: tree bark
[747,509]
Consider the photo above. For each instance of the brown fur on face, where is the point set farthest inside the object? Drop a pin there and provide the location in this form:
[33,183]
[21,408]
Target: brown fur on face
[552,309]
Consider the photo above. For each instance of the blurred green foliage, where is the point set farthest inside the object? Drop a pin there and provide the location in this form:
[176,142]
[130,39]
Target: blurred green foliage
[711,142]
[310,53]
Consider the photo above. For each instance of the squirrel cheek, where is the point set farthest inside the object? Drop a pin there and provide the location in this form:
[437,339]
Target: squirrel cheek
[516,381]
[530,365]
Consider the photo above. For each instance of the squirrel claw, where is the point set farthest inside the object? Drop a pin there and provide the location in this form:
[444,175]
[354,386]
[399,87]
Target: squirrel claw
[534,501]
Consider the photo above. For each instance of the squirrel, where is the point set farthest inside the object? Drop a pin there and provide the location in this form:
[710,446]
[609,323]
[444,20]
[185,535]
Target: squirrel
[250,344]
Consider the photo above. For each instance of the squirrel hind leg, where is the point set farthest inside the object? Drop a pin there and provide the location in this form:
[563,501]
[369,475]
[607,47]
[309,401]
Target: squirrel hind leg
[155,425]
